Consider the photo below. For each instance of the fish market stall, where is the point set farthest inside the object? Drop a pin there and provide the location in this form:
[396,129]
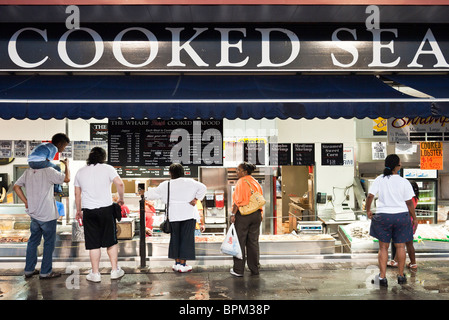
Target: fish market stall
[428,238]
[14,230]
[14,234]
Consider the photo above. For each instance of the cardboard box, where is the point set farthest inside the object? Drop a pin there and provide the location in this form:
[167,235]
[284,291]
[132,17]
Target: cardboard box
[125,228]
[303,202]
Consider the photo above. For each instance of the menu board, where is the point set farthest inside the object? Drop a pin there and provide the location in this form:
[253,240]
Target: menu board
[163,142]
[332,154]
[254,153]
[303,154]
[132,172]
[280,154]
[98,131]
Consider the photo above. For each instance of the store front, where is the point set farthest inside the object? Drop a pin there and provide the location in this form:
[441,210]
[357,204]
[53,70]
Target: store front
[298,99]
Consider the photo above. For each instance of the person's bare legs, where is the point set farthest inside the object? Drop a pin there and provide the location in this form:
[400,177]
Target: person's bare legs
[382,258]
[95,255]
[113,256]
[411,252]
[400,257]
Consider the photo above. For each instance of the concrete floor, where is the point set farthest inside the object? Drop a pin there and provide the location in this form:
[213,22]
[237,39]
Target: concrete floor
[304,280]
[305,288]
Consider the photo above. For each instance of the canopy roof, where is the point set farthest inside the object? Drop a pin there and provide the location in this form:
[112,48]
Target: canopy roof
[204,96]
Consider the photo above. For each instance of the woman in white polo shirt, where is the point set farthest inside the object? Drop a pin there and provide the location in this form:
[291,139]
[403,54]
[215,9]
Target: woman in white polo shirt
[182,214]
[93,199]
[392,218]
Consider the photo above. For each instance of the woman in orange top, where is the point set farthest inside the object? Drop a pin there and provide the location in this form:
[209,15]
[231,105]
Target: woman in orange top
[247,226]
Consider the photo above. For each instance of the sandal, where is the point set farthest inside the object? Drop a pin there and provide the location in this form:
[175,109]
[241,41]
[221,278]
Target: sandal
[392,264]
[412,266]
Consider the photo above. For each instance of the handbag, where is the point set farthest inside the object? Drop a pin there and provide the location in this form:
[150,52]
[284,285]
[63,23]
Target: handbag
[256,201]
[231,244]
[165,225]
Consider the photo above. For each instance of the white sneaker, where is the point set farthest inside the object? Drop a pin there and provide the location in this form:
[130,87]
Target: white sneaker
[117,274]
[235,274]
[93,277]
[175,267]
[185,268]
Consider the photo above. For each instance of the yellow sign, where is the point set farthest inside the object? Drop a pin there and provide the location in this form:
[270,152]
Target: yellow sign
[380,125]
[253,140]
[431,155]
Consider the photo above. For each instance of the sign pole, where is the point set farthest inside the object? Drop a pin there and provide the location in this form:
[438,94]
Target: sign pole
[143,253]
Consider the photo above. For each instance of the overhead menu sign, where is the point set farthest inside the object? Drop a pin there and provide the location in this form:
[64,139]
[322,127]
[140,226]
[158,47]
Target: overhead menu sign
[163,142]
[98,131]
[133,172]
[280,154]
[303,154]
[332,154]
[406,130]
[254,152]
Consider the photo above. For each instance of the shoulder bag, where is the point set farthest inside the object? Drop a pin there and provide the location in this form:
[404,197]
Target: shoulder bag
[165,225]
[256,202]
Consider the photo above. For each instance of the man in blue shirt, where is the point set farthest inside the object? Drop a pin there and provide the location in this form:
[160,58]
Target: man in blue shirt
[43,154]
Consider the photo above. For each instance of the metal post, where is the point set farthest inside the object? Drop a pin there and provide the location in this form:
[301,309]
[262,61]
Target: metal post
[143,253]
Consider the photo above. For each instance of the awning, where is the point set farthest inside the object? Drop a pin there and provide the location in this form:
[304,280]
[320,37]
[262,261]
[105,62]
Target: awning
[204,96]
[314,12]
[435,86]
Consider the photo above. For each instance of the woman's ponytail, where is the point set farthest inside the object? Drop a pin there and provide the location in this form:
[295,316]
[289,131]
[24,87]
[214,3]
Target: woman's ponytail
[391,162]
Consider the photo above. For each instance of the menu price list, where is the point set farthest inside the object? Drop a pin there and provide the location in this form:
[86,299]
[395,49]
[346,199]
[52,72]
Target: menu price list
[132,172]
[303,154]
[124,147]
[280,154]
[254,153]
[161,142]
[332,154]
[157,146]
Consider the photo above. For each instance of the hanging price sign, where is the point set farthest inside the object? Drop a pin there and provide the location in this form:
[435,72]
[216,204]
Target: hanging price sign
[431,155]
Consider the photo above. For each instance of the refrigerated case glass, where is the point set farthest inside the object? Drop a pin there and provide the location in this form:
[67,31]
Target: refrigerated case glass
[426,210]
[427,180]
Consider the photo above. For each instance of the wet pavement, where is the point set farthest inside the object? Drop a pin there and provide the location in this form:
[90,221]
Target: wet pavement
[308,279]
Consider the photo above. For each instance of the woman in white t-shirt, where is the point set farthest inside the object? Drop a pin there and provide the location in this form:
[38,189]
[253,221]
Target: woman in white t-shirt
[392,218]
[93,200]
[182,214]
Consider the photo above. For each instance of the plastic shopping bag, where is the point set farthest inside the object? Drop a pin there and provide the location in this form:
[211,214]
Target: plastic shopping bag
[231,244]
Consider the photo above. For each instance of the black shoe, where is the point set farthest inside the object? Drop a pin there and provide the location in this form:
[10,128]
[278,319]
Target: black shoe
[382,282]
[402,279]
[29,275]
[50,275]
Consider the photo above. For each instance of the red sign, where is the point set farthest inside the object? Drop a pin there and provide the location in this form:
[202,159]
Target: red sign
[431,155]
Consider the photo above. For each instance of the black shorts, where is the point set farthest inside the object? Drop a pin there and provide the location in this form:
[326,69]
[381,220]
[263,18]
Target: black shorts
[100,229]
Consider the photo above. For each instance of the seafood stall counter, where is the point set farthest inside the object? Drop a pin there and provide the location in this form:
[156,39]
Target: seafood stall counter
[428,238]
[14,234]
[270,245]
[14,229]
[208,246]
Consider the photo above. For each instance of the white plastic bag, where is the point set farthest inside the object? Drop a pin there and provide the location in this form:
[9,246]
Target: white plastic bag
[231,244]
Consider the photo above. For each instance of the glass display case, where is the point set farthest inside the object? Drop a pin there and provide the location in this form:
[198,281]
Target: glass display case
[427,181]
